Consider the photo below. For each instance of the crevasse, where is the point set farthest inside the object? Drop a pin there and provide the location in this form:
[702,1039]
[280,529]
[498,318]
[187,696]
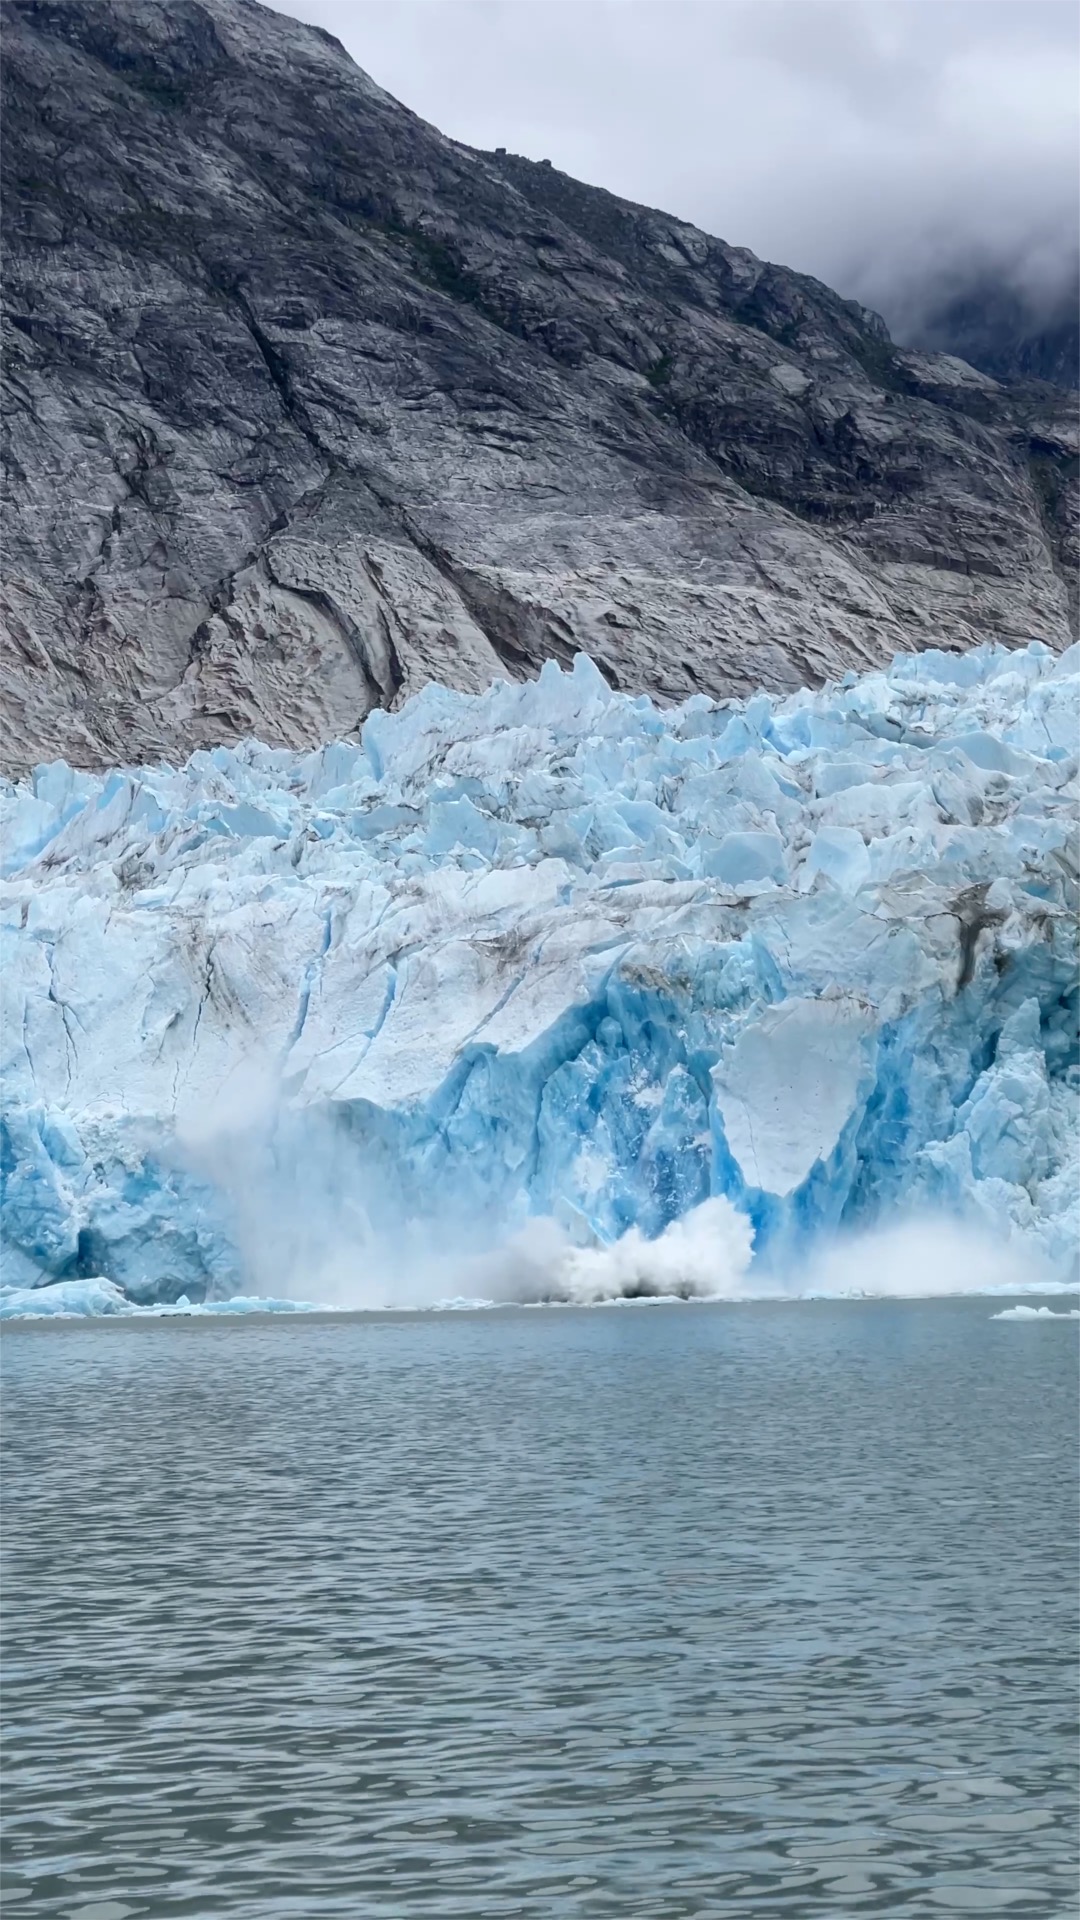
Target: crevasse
[275,1021]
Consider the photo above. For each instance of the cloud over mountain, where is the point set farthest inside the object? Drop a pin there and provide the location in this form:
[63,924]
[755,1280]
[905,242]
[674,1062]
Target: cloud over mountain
[898,150]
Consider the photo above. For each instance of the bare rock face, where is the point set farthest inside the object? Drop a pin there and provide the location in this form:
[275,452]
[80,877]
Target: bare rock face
[308,405]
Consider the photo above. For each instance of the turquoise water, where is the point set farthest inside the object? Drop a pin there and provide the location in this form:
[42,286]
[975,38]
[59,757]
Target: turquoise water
[653,1611]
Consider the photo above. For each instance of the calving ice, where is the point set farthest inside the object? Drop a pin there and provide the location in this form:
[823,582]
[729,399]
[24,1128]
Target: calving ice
[547,981]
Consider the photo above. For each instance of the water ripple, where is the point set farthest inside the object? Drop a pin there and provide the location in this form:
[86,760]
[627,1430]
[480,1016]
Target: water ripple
[688,1612]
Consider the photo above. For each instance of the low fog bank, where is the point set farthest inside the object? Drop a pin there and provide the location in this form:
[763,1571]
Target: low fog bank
[1014,315]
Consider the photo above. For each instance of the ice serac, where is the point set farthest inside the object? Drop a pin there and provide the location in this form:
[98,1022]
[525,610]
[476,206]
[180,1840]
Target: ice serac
[547,959]
[787,1085]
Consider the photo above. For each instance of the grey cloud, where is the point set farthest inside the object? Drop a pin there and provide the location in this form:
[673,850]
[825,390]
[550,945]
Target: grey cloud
[895,148]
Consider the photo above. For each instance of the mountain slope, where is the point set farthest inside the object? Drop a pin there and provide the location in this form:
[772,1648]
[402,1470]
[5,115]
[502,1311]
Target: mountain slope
[308,404]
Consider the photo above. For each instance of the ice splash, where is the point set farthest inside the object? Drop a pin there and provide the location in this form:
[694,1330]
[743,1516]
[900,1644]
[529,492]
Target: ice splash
[924,1258]
[704,1255]
[708,1255]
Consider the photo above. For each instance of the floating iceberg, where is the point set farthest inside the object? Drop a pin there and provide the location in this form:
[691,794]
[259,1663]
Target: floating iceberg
[75,1299]
[1037,1313]
[549,960]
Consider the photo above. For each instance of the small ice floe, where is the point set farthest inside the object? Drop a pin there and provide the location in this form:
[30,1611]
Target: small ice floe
[64,1299]
[240,1303]
[1037,1313]
[94,1298]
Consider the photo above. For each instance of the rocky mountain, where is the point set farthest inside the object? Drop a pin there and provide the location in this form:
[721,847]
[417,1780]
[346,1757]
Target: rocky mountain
[307,404]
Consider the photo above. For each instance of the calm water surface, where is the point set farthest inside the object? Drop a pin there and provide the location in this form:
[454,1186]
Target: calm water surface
[652,1611]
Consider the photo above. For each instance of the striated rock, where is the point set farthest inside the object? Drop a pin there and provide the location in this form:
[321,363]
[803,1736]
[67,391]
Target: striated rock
[308,405]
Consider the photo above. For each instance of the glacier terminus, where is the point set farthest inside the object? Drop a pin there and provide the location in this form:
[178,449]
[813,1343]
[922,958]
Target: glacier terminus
[546,992]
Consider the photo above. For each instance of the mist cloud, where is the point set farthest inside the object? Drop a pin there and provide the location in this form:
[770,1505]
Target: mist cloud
[891,147]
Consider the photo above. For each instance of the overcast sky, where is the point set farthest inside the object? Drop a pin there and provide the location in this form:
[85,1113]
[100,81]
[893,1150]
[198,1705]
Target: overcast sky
[871,142]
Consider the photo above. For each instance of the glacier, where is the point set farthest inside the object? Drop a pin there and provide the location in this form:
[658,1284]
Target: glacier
[548,992]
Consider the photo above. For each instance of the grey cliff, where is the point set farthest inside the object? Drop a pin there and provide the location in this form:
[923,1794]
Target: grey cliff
[307,405]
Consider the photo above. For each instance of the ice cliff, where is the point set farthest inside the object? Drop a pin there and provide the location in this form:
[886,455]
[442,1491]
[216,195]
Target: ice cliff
[548,960]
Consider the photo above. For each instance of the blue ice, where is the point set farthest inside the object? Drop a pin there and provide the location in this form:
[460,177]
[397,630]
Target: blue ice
[547,953]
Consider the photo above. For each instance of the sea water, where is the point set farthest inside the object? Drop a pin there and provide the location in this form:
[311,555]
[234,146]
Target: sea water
[655,1611]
